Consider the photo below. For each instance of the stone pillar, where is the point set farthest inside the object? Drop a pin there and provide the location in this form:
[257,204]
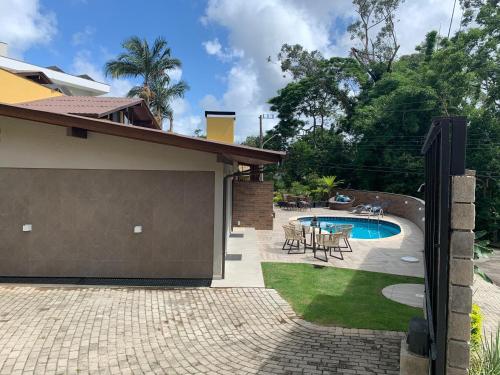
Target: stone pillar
[461,272]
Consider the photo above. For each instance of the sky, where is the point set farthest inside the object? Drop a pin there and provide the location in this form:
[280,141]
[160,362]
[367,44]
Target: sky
[224,45]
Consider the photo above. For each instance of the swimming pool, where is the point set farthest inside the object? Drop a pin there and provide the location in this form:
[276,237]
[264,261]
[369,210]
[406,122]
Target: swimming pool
[362,228]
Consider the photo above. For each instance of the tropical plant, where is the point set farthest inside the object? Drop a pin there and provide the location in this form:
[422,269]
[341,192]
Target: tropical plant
[163,92]
[151,64]
[299,189]
[485,358]
[327,186]
[481,250]
[481,245]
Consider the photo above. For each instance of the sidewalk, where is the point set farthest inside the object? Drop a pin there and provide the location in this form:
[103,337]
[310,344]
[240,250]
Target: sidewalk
[242,261]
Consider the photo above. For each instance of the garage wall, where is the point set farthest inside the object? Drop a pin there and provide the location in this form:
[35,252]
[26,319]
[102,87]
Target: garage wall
[83,223]
[25,144]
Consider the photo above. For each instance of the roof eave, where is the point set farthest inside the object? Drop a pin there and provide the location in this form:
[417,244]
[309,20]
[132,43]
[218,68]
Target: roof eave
[143,134]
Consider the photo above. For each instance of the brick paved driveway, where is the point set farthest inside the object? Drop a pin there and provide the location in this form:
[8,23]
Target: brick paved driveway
[62,330]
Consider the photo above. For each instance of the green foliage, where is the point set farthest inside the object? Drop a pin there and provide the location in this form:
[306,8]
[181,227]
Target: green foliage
[375,32]
[299,189]
[481,246]
[364,118]
[340,297]
[151,63]
[476,323]
[485,358]
[326,186]
[278,197]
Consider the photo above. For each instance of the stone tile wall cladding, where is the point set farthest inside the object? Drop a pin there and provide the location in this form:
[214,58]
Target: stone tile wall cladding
[405,206]
[461,272]
[253,204]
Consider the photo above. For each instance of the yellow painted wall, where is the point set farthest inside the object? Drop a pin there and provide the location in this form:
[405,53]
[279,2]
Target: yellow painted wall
[220,129]
[15,89]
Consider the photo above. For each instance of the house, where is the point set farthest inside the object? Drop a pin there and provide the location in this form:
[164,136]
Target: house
[50,77]
[19,87]
[129,111]
[86,192]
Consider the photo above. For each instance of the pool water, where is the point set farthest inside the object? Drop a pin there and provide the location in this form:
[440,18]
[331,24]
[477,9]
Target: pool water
[363,228]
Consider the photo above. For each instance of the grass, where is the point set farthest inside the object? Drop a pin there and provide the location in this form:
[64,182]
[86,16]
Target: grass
[341,297]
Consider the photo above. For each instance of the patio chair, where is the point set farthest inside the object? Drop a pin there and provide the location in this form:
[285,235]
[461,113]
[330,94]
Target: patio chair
[329,242]
[346,231]
[293,238]
[303,203]
[291,202]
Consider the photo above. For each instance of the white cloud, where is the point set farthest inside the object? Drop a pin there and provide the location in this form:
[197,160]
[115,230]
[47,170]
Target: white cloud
[209,103]
[83,63]
[24,24]
[213,47]
[83,37]
[184,124]
[259,29]
[175,74]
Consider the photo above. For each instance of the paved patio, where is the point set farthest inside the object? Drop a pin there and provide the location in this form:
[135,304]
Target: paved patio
[379,255]
[90,330]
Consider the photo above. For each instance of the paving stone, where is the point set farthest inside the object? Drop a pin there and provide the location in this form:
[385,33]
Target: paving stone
[66,330]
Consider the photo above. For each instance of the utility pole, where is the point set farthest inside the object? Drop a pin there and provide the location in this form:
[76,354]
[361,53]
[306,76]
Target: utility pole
[261,135]
[261,139]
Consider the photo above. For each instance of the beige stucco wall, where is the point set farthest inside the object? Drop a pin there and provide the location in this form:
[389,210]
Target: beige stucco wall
[25,144]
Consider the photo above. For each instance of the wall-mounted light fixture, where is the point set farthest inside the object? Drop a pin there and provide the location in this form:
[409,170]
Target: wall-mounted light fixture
[138,229]
[27,227]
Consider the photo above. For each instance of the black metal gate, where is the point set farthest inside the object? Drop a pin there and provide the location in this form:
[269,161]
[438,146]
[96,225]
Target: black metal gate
[444,151]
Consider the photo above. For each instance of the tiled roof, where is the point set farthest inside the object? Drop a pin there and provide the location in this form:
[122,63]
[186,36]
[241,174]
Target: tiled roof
[82,105]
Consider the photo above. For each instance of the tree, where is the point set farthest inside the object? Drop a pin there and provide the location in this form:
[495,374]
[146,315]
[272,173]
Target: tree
[375,31]
[327,185]
[151,64]
[163,92]
[319,95]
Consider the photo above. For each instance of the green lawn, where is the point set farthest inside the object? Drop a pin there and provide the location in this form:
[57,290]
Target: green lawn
[340,297]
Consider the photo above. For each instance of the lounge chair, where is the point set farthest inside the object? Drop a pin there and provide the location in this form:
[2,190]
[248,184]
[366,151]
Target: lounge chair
[293,239]
[327,242]
[379,209]
[362,209]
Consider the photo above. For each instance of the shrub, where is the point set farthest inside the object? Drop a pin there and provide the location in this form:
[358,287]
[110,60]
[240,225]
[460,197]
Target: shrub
[485,359]
[278,197]
[299,189]
[476,325]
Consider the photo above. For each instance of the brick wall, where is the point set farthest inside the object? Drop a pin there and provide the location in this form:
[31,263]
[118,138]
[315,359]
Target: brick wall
[253,204]
[405,206]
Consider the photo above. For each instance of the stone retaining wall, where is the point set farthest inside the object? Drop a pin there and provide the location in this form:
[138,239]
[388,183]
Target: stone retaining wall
[404,206]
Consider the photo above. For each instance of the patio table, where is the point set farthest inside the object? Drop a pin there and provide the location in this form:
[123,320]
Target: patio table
[313,235]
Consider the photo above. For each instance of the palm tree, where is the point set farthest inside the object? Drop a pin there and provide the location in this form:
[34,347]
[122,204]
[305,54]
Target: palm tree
[162,94]
[141,60]
[327,185]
